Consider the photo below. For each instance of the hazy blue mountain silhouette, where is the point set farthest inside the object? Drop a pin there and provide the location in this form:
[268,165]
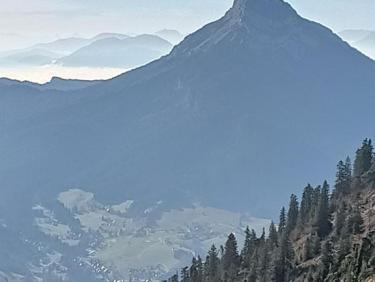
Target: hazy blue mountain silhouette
[116,52]
[235,116]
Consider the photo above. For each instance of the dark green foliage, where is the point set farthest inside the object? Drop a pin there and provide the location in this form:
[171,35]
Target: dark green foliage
[369,177]
[292,214]
[249,247]
[307,246]
[282,220]
[265,262]
[273,236]
[283,263]
[306,209]
[212,271]
[316,196]
[343,177]
[323,214]
[231,259]
[363,160]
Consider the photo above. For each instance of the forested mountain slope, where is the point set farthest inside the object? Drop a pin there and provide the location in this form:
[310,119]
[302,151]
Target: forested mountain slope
[326,237]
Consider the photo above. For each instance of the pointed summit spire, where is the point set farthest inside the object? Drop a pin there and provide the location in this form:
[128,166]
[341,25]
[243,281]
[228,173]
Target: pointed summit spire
[277,10]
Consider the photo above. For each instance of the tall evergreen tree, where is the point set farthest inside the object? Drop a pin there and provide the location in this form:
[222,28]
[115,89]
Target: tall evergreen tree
[283,262]
[343,177]
[306,205]
[230,258]
[323,214]
[292,214]
[282,220]
[265,262]
[273,236]
[316,196]
[212,265]
[363,160]
[249,246]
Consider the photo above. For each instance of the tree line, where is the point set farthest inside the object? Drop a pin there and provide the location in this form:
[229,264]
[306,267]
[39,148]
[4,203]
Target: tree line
[312,241]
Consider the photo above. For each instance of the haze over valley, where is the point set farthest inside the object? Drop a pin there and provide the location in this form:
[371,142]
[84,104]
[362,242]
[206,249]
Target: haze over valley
[123,156]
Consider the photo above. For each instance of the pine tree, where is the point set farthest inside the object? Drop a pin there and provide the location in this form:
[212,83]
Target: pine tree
[292,214]
[316,196]
[273,236]
[249,245]
[193,271]
[370,175]
[282,221]
[363,160]
[200,269]
[212,265]
[283,262]
[265,262]
[343,177]
[306,205]
[231,258]
[323,216]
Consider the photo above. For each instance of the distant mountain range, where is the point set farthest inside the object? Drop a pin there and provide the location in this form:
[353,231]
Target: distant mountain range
[122,53]
[233,118]
[108,49]
[363,40]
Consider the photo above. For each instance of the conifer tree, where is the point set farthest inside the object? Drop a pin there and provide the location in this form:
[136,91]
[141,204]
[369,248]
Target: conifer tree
[212,265]
[343,177]
[282,220]
[306,205]
[292,214]
[200,270]
[316,196]
[249,246]
[363,160]
[231,259]
[283,262]
[323,214]
[273,236]
[265,262]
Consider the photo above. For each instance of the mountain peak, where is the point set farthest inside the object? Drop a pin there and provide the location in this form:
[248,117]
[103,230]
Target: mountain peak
[250,11]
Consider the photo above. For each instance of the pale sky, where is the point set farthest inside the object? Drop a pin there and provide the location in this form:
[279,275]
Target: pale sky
[35,20]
